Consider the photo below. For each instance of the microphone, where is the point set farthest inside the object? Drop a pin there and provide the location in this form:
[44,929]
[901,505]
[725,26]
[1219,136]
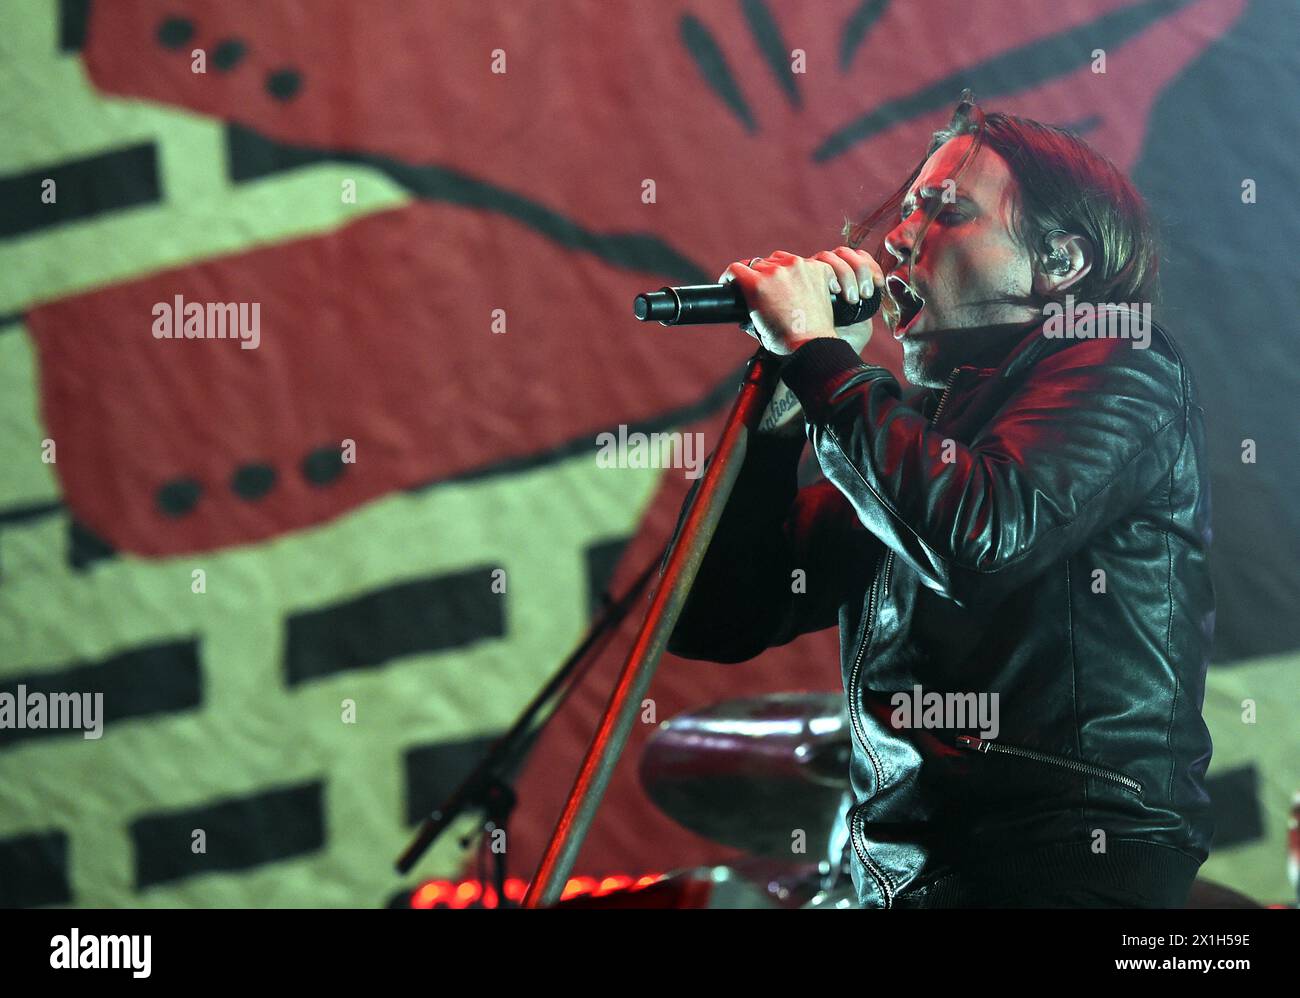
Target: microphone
[697,304]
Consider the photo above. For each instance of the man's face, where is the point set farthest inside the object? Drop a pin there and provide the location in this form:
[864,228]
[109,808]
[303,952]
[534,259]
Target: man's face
[968,257]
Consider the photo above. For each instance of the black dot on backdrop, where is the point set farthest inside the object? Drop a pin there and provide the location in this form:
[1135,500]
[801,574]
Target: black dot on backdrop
[323,465]
[252,481]
[228,53]
[179,496]
[175,32]
[283,84]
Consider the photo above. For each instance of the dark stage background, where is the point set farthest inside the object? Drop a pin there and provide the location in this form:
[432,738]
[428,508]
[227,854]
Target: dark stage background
[361,172]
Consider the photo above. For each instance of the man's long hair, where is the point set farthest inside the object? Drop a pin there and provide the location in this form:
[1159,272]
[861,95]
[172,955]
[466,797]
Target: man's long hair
[1061,183]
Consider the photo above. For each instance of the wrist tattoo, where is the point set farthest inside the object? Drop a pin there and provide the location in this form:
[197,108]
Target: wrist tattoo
[779,407]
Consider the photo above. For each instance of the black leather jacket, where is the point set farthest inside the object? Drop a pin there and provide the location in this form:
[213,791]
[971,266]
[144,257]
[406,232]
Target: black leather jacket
[1039,531]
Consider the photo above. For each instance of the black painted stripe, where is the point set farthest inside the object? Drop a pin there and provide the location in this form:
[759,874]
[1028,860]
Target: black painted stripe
[34,870]
[602,560]
[36,511]
[86,548]
[775,50]
[252,156]
[429,615]
[84,188]
[142,682]
[712,64]
[11,320]
[239,834]
[1234,798]
[860,22]
[1017,69]
[433,772]
[73,17]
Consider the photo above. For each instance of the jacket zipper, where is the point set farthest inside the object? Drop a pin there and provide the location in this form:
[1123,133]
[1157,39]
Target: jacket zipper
[879,585]
[952,376]
[855,826]
[1087,768]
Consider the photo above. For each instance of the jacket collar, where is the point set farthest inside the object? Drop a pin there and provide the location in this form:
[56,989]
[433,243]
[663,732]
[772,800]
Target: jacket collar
[1033,346]
[1025,351]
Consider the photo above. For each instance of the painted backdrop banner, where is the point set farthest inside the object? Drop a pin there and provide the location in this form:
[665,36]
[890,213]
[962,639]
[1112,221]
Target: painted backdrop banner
[312,313]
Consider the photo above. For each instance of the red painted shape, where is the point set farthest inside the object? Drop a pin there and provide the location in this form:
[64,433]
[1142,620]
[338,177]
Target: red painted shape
[380,333]
[594,102]
[376,332]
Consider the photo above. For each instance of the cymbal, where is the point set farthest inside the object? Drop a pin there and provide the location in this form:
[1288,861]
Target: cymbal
[765,774]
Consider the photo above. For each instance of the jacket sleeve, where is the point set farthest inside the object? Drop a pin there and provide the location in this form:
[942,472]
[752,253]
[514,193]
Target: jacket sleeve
[1087,435]
[778,565]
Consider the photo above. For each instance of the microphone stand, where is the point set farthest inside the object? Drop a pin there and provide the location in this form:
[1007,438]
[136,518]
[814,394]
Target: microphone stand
[686,552]
[487,788]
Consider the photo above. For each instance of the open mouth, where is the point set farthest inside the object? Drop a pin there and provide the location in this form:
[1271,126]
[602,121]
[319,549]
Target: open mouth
[907,300]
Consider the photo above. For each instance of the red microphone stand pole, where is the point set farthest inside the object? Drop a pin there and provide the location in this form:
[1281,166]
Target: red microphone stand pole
[676,579]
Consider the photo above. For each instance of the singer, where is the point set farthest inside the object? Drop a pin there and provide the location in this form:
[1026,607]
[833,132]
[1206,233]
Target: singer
[1030,527]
